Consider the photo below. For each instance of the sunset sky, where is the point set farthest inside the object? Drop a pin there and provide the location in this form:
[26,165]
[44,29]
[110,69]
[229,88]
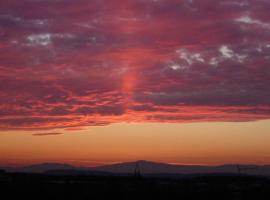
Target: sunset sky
[91,82]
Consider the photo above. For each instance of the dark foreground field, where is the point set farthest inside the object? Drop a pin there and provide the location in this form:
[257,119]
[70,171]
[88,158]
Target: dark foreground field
[217,187]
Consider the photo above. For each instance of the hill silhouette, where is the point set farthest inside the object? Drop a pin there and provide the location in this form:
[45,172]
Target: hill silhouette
[41,168]
[146,167]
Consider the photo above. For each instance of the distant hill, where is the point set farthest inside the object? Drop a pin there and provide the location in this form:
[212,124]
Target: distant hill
[146,167]
[41,168]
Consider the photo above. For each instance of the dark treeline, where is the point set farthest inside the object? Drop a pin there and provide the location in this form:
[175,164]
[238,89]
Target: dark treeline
[216,187]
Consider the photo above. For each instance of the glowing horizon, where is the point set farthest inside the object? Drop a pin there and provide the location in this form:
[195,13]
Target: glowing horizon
[192,143]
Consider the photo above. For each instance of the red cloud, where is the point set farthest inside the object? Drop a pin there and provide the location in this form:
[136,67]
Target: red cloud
[73,64]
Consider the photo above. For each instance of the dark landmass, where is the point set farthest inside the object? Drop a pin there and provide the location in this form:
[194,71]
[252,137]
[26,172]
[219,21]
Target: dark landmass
[146,168]
[40,168]
[152,181]
[129,187]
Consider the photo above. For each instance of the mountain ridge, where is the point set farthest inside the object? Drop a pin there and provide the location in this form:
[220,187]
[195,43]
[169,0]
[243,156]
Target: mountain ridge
[146,167]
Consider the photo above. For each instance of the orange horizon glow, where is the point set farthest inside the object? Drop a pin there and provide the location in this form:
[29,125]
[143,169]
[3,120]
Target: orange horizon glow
[189,144]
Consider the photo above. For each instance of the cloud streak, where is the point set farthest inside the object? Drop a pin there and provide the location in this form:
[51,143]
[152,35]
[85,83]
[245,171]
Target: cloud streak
[82,63]
[47,134]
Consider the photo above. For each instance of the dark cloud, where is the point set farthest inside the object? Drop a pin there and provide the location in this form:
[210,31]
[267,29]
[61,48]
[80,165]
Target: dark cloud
[47,134]
[66,64]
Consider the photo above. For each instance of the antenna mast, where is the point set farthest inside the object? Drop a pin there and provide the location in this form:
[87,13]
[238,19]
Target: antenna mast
[137,171]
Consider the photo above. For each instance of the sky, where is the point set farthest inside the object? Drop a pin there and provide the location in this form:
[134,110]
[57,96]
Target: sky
[97,81]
